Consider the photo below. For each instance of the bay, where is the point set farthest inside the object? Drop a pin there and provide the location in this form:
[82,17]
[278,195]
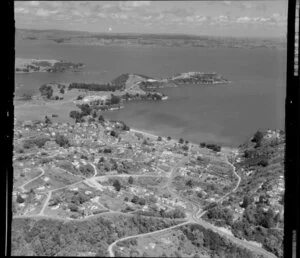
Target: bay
[226,114]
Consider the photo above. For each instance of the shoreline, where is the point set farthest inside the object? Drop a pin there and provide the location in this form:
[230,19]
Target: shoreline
[175,140]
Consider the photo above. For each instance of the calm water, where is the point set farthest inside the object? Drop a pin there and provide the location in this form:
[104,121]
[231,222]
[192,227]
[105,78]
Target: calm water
[227,114]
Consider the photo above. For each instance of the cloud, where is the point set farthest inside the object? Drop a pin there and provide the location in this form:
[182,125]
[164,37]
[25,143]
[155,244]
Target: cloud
[45,13]
[21,10]
[130,5]
[244,19]
[221,18]
[195,19]
[159,17]
[33,3]
[179,12]
[119,16]
[262,20]
[227,2]
[102,15]
[77,13]
[147,18]
[245,5]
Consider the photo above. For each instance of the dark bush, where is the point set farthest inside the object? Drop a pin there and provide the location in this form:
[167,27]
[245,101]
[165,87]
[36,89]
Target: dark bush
[20,199]
[117,185]
[258,136]
[75,114]
[62,141]
[263,163]
[130,180]
[86,170]
[46,91]
[73,207]
[114,134]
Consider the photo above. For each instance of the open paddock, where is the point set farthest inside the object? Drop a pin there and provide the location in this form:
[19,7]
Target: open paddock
[23,175]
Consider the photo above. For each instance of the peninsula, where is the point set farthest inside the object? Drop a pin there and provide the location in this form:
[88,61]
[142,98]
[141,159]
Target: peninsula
[99,97]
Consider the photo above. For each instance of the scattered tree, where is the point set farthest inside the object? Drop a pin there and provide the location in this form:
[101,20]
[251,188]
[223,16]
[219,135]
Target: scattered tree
[101,119]
[62,141]
[47,120]
[75,114]
[117,185]
[202,144]
[20,199]
[46,91]
[130,180]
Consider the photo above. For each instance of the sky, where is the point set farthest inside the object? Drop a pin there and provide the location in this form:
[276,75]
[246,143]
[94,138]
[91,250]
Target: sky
[213,18]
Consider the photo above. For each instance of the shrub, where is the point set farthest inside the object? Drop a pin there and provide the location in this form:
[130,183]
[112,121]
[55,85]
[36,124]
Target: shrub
[62,141]
[130,180]
[202,144]
[75,114]
[20,199]
[86,170]
[79,198]
[249,153]
[159,138]
[91,120]
[263,163]
[73,207]
[141,201]
[46,91]
[190,183]
[258,136]
[181,141]
[247,201]
[39,142]
[28,144]
[115,99]
[185,147]
[114,134]
[213,147]
[85,109]
[47,120]
[199,158]
[117,185]
[135,199]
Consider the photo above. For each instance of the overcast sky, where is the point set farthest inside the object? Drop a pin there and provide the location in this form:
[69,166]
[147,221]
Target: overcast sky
[218,18]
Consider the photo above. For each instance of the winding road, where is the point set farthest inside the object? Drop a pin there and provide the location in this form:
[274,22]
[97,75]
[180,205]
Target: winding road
[196,218]
[110,248]
[31,180]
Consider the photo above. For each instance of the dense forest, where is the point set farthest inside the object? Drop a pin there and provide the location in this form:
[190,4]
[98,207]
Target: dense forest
[50,237]
[260,167]
[95,86]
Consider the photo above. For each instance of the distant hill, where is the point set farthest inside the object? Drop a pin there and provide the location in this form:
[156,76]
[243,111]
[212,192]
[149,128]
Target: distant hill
[170,40]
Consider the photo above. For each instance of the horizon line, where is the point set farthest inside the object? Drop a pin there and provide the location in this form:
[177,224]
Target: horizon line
[152,33]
